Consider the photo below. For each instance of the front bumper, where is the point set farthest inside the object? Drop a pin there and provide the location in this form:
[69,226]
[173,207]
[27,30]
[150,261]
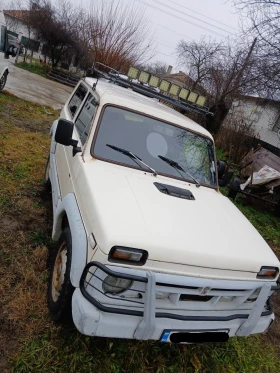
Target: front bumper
[114,318]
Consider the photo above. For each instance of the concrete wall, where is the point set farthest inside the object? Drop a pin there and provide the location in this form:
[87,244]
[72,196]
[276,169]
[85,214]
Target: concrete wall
[262,116]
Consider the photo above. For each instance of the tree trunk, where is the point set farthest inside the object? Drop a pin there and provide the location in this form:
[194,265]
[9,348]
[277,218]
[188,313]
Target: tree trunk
[213,123]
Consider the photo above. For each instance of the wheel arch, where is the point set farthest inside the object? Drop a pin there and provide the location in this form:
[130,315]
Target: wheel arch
[4,71]
[68,214]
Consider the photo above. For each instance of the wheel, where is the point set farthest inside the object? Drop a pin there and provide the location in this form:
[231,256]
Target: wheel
[60,289]
[277,209]
[47,182]
[234,188]
[3,80]
[221,169]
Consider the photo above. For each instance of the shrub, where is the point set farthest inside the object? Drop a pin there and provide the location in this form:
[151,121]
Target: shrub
[236,136]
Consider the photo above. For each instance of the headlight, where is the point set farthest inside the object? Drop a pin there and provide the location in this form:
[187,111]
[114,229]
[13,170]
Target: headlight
[268,273]
[116,285]
[123,255]
[253,297]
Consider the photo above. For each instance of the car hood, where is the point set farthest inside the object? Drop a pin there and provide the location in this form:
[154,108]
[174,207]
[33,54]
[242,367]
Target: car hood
[125,208]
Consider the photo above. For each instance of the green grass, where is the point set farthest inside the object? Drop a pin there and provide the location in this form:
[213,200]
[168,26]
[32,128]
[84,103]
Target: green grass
[29,339]
[220,154]
[41,69]
[264,221]
[71,352]
[35,68]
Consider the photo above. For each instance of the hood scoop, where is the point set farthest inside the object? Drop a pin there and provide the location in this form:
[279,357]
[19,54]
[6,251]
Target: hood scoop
[173,191]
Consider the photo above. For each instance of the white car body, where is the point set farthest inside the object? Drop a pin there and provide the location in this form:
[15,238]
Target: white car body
[196,249]
[3,46]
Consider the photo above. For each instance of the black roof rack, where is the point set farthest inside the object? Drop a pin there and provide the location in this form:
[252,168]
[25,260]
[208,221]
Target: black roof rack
[100,70]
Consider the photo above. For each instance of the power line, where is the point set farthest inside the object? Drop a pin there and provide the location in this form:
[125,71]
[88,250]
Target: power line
[196,18]
[169,46]
[193,11]
[177,17]
[176,32]
[168,55]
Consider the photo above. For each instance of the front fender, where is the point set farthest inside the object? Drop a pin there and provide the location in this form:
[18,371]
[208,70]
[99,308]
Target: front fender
[69,207]
[52,134]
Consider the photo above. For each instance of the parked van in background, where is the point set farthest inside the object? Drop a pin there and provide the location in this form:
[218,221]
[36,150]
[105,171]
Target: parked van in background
[4,54]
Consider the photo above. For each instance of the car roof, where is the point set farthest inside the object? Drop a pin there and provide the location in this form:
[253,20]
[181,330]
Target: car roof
[110,93]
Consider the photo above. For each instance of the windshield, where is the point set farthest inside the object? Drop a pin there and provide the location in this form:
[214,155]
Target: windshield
[151,139]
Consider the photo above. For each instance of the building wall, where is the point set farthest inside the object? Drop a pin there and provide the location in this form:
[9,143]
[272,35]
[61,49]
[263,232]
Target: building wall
[262,116]
[19,27]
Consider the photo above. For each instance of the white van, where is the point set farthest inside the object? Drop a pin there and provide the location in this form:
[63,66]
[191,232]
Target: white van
[4,55]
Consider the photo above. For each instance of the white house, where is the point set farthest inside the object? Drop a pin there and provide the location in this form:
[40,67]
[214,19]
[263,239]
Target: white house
[262,114]
[17,25]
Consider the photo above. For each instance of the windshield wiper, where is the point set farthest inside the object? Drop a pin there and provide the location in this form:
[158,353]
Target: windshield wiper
[178,168]
[132,156]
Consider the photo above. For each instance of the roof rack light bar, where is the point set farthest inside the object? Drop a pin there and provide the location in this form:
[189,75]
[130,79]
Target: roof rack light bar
[154,87]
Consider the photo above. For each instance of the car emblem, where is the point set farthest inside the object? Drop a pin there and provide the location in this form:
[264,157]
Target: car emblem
[205,290]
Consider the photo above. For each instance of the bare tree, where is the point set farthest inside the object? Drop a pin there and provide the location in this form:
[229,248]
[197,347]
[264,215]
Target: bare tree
[261,18]
[224,70]
[118,36]
[55,26]
[157,67]
[198,58]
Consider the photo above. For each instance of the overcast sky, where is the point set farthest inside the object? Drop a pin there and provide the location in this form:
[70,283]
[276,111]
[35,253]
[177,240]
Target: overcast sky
[173,20]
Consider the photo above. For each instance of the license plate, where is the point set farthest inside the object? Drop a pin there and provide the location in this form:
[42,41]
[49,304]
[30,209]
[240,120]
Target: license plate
[201,336]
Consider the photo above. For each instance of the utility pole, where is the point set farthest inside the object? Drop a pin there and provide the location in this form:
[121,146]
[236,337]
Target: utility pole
[240,74]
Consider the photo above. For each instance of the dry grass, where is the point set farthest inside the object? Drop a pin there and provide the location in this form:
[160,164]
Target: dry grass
[23,270]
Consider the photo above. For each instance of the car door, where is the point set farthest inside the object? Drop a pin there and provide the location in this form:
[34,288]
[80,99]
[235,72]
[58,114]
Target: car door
[83,118]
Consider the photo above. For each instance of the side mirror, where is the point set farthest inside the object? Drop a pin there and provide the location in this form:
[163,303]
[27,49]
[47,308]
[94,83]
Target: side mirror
[63,135]
[64,132]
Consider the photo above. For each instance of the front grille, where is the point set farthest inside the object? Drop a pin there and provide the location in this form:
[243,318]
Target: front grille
[171,292]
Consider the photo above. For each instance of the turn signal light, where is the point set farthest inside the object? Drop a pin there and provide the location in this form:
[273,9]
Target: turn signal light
[123,255]
[268,272]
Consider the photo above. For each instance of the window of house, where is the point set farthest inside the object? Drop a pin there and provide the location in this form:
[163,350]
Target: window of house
[85,117]
[76,100]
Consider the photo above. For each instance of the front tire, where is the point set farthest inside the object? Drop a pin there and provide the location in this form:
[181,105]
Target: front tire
[234,188]
[3,80]
[60,289]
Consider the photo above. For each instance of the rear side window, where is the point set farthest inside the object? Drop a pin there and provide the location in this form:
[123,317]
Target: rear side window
[76,100]
[2,38]
[85,117]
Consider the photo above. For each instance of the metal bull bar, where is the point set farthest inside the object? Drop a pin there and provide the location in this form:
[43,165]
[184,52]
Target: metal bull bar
[147,326]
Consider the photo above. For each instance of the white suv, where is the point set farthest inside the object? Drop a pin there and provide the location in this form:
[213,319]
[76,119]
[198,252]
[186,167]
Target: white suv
[147,247]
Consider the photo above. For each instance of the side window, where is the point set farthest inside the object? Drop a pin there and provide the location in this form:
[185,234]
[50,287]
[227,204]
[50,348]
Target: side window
[77,100]
[85,117]
[2,38]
